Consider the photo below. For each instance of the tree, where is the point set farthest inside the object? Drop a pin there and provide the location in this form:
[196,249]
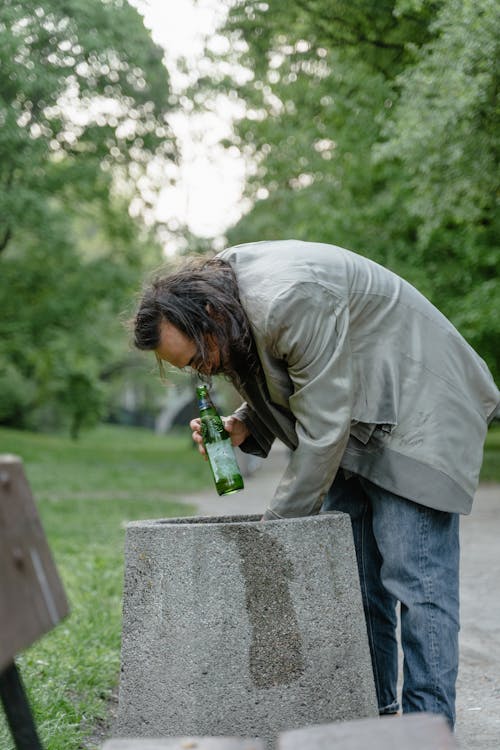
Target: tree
[82,84]
[444,137]
[320,95]
[83,104]
[375,126]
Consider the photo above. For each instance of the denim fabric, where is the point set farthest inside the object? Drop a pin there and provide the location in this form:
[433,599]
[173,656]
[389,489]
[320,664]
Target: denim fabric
[406,553]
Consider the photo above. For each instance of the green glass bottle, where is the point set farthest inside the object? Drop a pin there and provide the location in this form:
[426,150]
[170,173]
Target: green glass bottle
[220,452]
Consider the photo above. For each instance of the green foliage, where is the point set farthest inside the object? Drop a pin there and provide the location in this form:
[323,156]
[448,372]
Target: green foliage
[375,126]
[16,392]
[86,492]
[490,471]
[61,331]
[319,99]
[444,137]
[82,85]
[83,103]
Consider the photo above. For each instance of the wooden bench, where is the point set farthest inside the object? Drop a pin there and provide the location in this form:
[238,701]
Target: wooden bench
[32,598]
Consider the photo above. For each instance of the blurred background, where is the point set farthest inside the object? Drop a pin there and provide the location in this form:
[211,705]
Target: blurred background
[134,132]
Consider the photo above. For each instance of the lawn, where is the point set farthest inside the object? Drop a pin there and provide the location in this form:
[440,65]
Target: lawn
[85,492]
[490,471]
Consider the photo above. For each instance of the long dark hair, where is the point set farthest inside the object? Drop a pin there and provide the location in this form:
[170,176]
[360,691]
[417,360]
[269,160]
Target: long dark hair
[201,299]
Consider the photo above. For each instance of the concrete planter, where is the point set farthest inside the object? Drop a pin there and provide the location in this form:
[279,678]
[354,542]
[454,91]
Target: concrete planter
[239,628]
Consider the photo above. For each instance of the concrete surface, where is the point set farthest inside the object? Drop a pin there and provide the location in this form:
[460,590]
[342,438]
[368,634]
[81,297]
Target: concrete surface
[184,743]
[412,732]
[235,627]
[478,686]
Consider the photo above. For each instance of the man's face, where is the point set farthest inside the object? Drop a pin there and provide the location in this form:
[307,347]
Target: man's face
[180,351]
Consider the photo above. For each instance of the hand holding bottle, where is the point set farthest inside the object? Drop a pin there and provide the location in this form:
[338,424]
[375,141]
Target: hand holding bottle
[237,430]
[218,445]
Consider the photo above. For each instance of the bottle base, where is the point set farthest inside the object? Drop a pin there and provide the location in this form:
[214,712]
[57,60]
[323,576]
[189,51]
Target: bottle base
[230,492]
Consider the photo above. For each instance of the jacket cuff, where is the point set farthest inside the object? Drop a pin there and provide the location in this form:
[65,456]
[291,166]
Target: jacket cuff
[260,440]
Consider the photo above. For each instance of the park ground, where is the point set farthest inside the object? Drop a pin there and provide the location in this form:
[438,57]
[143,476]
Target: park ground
[478,686]
[87,491]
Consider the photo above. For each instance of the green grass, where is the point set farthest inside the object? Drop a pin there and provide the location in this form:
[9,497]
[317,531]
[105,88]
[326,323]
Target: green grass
[490,471]
[85,492]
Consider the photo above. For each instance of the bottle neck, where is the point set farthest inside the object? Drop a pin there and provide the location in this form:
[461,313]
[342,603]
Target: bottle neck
[205,404]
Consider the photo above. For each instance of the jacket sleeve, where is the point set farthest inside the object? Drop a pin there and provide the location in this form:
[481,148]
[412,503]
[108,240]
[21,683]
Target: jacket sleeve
[261,438]
[308,328]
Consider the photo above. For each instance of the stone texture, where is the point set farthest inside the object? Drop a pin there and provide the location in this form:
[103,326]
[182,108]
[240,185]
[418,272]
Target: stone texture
[233,627]
[411,732]
[184,743]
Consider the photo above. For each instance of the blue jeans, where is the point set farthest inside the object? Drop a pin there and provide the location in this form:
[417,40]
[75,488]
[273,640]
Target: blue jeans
[409,553]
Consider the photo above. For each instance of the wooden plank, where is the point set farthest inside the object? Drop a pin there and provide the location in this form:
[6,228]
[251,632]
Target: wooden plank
[32,598]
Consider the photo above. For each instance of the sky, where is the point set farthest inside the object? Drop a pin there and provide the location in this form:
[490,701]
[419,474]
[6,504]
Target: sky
[207,196]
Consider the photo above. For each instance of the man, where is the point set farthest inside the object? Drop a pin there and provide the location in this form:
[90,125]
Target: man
[384,406]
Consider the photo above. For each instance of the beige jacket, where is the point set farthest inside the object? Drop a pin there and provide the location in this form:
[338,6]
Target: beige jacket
[359,371]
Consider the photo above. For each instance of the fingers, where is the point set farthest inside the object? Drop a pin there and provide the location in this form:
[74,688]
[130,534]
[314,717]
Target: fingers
[195,425]
[234,426]
[237,429]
